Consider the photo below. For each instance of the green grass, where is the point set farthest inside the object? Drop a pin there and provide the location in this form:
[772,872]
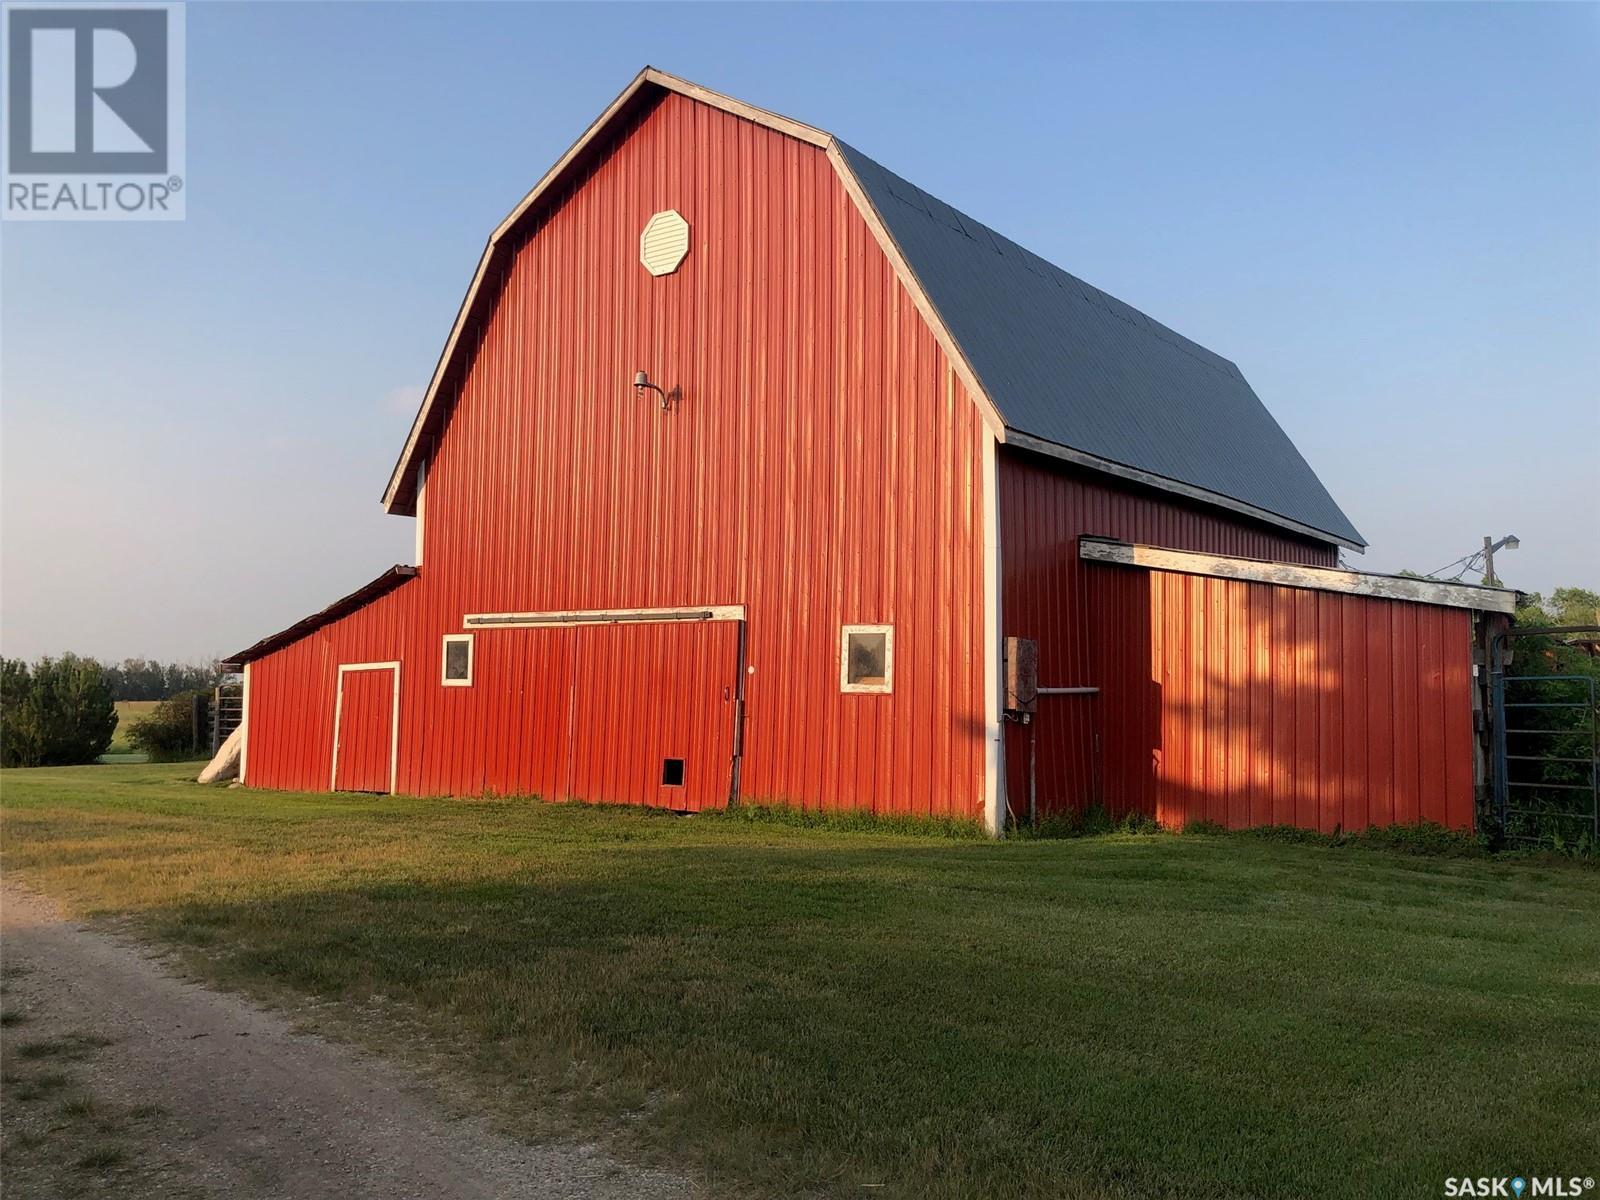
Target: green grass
[129,711]
[35,1087]
[50,1114]
[78,1106]
[100,1157]
[789,1006]
[70,1047]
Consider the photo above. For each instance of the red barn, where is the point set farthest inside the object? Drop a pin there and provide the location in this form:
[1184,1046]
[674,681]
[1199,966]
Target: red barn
[743,459]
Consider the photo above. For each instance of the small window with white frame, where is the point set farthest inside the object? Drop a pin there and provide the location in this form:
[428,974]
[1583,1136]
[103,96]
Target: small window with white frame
[456,663]
[866,658]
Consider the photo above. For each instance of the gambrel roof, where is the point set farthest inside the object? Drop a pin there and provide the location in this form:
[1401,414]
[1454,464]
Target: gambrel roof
[1057,366]
[1073,367]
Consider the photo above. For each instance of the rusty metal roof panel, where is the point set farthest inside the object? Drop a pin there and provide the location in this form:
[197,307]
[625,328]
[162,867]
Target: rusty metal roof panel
[1071,365]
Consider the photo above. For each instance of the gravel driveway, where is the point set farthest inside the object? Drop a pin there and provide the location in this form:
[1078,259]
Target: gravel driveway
[235,1102]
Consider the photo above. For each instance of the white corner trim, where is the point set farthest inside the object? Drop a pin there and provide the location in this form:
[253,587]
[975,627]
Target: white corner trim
[444,659]
[244,725]
[798,130]
[885,688]
[421,506]
[953,353]
[602,616]
[994,763]
[1321,579]
[394,721]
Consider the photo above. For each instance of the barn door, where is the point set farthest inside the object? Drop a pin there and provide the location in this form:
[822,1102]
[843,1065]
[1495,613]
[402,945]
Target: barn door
[365,727]
[608,706]
[654,708]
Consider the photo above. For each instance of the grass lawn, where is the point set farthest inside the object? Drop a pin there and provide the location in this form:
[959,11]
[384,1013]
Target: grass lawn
[801,1009]
[129,711]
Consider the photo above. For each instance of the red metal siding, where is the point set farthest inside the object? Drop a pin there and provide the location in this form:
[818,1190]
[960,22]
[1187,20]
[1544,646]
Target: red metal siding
[294,691]
[366,729]
[1044,507]
[822,468]
[1251,704]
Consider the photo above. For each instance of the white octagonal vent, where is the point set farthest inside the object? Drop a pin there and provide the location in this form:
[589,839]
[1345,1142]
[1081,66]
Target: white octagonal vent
[664,243]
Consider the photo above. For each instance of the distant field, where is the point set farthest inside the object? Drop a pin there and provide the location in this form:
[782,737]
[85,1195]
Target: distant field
[128,711]
[804,1011]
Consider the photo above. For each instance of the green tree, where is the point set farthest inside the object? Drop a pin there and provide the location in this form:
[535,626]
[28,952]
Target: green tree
[167,734]
[1566,606]
[1561,755]
[55,713]
[146,679]
[19,736]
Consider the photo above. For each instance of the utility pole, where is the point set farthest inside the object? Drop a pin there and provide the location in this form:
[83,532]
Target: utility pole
[1470,563]
[1509,542]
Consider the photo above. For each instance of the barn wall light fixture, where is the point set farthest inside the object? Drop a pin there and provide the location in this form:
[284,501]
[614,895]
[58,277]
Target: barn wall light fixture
[642,384]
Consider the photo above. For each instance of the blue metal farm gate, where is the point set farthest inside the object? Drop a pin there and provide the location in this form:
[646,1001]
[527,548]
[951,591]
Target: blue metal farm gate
[1547,757]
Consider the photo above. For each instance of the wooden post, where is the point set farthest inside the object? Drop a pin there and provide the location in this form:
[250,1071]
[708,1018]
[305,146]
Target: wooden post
[1487,658]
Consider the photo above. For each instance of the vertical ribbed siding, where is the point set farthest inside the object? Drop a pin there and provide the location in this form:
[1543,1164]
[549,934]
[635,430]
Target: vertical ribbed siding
[365,739]
[293,692]
[1253,704]
[1045,506]
[820,468]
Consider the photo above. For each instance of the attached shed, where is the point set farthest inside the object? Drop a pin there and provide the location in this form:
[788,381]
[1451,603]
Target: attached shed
[743,458]
[1251,693]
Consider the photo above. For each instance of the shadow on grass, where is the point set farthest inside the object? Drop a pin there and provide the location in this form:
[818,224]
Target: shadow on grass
[1152,1017]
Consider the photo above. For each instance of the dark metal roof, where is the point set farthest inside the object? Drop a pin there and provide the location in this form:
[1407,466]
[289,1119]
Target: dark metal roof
[382,585]
[1070,365]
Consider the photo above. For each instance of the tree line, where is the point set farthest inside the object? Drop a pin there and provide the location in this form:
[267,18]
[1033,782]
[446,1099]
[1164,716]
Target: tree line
[146,679]
[61,711]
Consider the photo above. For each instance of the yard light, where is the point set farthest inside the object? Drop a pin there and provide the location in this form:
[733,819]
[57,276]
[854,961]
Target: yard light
[1509,542]
[641,383]
[1484,558]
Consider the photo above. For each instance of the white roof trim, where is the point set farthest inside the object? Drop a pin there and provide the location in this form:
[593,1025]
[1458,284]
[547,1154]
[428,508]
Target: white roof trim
[1321,579]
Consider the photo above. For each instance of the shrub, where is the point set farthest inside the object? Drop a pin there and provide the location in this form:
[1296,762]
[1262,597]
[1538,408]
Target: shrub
[56,713]
[847,820]
[1424,837]
[167,732]
[1093,821]
[1294,834]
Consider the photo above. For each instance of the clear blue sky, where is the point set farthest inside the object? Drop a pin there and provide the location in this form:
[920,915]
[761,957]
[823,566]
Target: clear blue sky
[1388,216]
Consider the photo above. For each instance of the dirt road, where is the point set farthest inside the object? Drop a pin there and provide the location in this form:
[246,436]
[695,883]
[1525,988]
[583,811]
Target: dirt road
[209,1095]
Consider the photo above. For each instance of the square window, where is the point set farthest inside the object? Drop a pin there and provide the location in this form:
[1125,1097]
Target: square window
[672,772]
[456,670]
[867,659]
